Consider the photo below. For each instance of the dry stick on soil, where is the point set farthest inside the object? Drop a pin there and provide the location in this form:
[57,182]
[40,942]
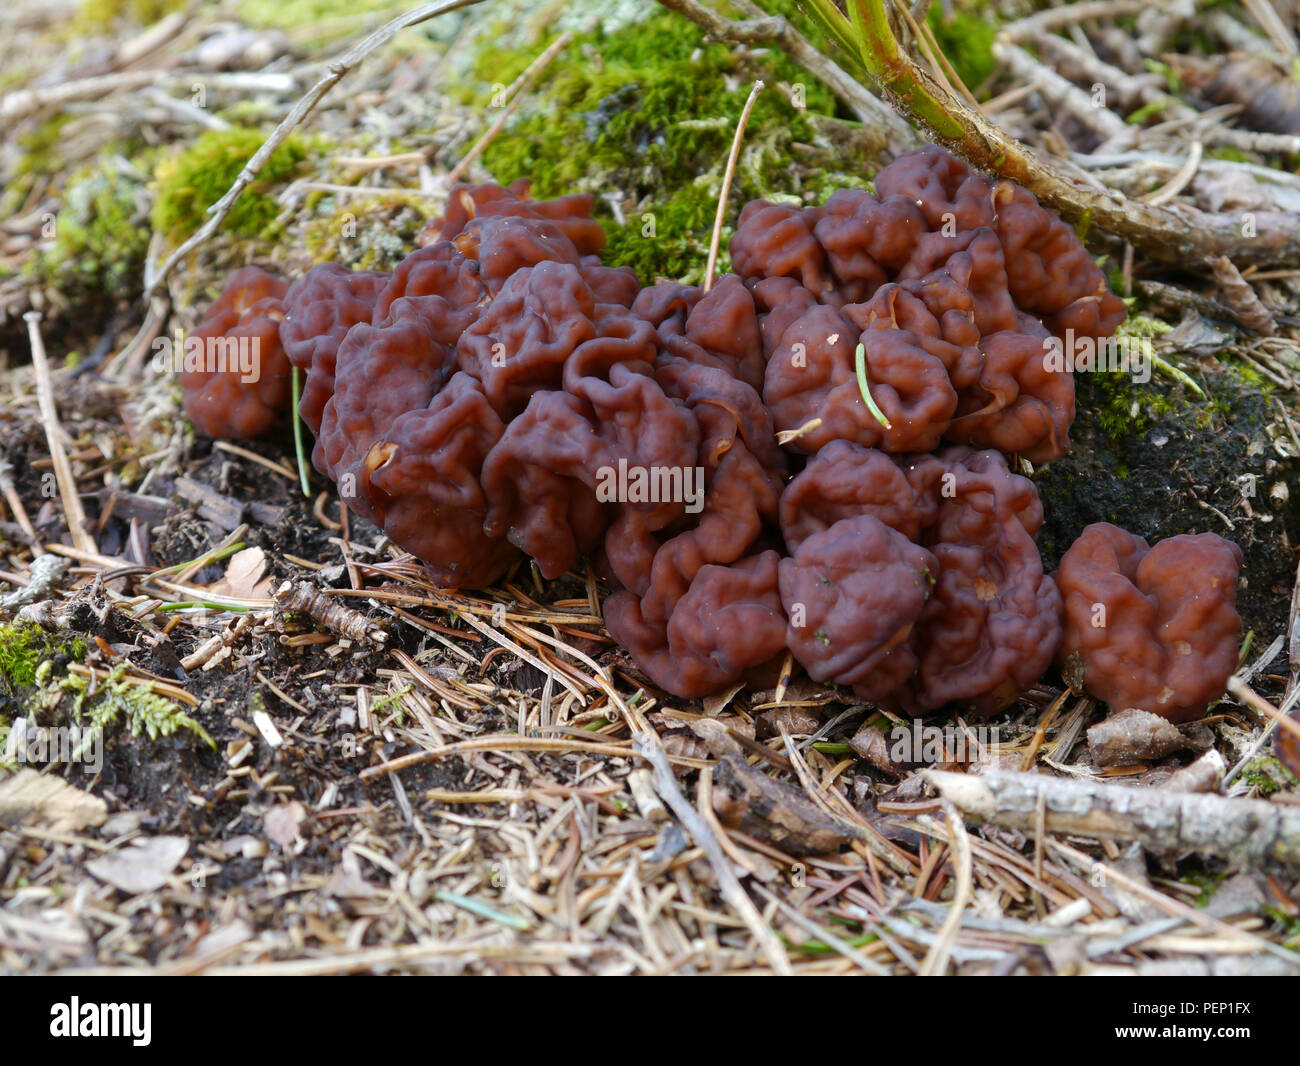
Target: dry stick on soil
[72,510]
[1248,831]
[305,598]
[1064,95]
[506,742]
[649,747]
[1178,182]
[730,173]
[1057,17]
[23,102]
[514,97]
[46,572]
[1263,12]
[1162,235]
[335,73]
[10,493]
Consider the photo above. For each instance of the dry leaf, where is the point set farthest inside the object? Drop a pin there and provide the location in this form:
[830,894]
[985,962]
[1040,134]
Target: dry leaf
[346,880]
[29,798]
[244,578]
[281,823]
[142,865]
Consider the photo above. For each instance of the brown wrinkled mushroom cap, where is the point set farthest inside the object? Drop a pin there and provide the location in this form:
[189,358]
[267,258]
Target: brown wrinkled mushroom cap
[845,480]
[476,402]
[319,309]
[728,626]
[1152,628]
[853,593]
[993,623]
[469,202]
[237,383]
[988,626]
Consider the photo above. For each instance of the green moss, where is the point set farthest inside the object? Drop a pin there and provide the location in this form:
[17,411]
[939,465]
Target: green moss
[41,147]
[24,649]
[292,14]
[1120,407]
[33,679]
[101,232]
[967,42]
[100,15]
[365,233]
[115,702]
[1139,325]
[20,653]
[646,113]
[1269,776]
[1206,880]
[393,701]
[190,182]
[1250,374]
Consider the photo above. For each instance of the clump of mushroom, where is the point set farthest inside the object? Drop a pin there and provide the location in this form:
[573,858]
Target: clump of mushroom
[503,395]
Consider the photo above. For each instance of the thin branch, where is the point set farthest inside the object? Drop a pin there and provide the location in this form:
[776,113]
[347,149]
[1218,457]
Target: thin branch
[514,96]
[67,482]
[1164,235]
[335,73]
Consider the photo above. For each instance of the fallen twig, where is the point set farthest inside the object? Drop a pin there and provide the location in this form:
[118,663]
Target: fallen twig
[730,173]
[514,97]
[68,492]
[1247,831]
[337,69]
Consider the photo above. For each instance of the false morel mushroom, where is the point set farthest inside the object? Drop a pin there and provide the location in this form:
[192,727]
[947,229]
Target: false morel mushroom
[1152,628]
[502,394]
[234,374]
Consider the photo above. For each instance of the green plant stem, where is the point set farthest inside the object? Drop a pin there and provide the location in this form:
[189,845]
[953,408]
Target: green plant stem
[864,387]
[298,447]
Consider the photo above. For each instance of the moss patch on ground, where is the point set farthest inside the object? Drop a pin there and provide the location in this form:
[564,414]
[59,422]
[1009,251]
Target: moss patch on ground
[35,681]
[100,233]
[645,115]
[23,649]
[190,181]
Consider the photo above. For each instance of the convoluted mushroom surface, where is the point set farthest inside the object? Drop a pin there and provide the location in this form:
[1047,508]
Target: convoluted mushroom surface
[922,585]
[953,283]
[1152,628]
[804,458]
[235,374]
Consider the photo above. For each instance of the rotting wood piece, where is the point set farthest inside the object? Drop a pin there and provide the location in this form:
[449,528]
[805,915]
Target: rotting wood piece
[303,598]
[773,811]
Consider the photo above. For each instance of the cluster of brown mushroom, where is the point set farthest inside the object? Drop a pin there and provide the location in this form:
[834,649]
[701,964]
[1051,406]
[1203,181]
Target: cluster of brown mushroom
[806,456]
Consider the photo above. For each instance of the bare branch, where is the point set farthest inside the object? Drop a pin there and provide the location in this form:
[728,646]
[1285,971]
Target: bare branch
[1171,235]
[335,73]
